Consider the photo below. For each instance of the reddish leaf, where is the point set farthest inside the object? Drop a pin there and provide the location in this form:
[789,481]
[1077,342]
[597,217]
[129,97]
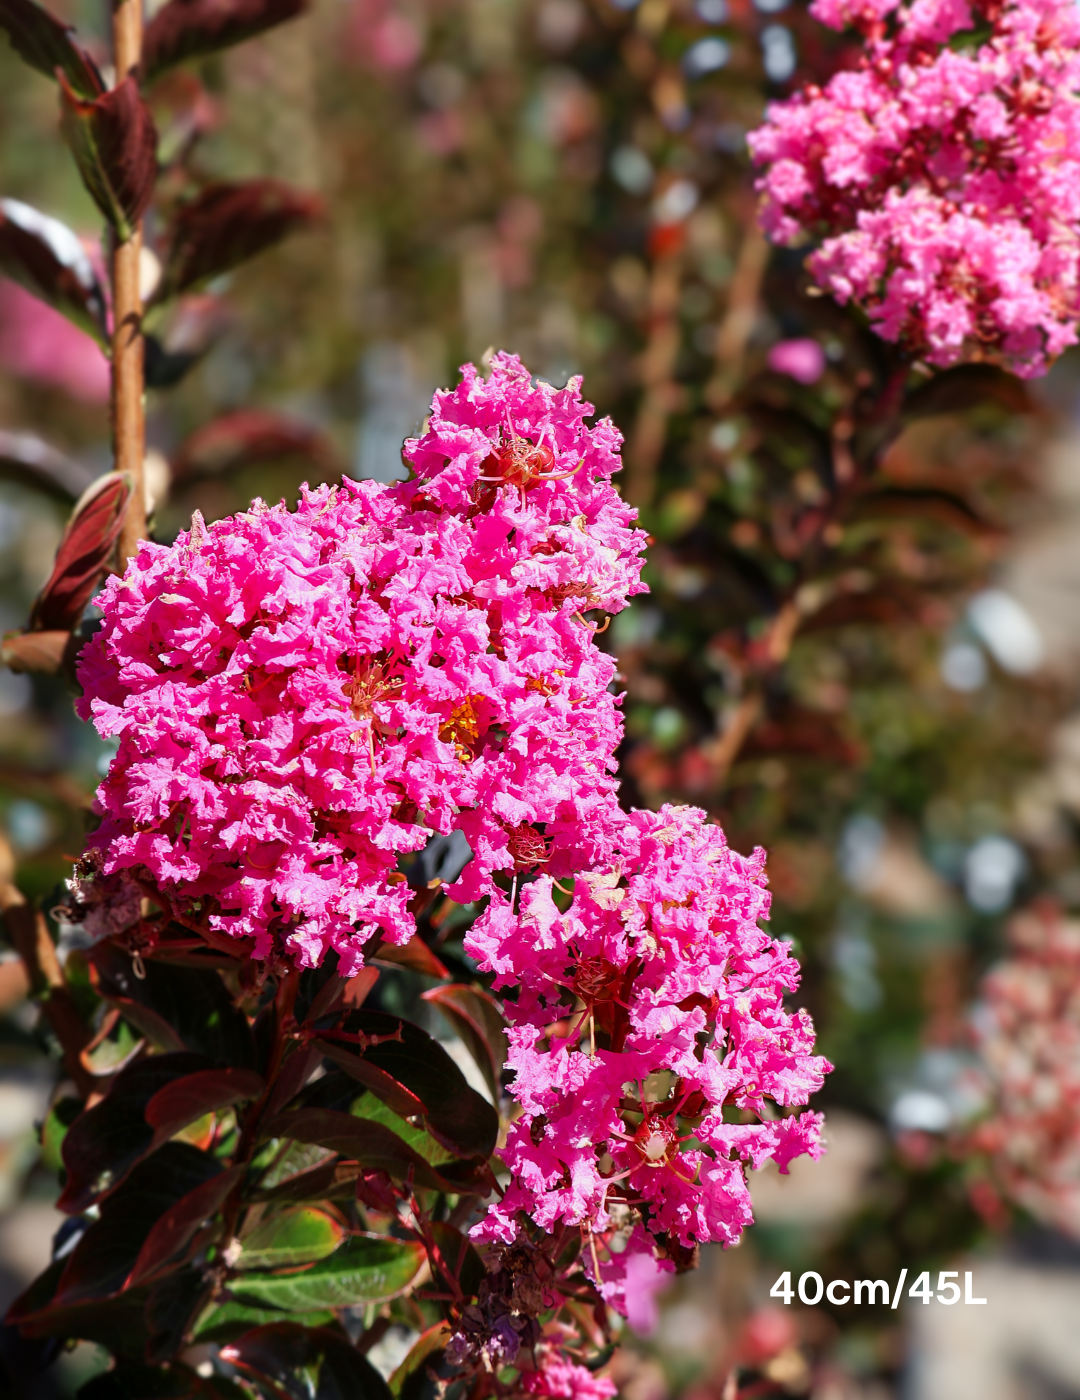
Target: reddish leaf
[250,437]
[291,1078]
[226,225]
[101,1262]
[454,1113]
[426,1345]
[966,386]
[403,1101]
[114,142]
[282,1355]
[361,1140]
[476,1017]
[46,257]
[184,1100]
[43,652]
[338,992]
[415,955]
[83,554]
[106,1141]
[174,1230]
[45,44]
[187,28]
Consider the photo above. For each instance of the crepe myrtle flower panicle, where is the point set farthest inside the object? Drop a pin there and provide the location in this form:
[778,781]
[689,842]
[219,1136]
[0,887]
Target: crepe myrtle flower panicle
[1027,1031]
[301,696]
[647,1009]
[942,177]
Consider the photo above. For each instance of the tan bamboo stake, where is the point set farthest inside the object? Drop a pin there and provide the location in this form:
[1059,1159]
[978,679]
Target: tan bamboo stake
[129,420]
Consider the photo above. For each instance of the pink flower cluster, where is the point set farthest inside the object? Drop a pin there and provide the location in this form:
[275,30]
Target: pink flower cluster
[301,696]
[1028,1032]
[651,1048]
[943,176]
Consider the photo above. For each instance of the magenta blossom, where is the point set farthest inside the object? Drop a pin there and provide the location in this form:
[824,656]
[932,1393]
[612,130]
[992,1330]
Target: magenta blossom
[301,696]
[678,989]
[803,360]
[943,176]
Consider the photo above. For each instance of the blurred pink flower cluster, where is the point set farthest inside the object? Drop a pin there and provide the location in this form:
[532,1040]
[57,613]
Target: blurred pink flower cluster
[644,1010]
[39,343]
[1028,1032]
[943,176]
[301,696]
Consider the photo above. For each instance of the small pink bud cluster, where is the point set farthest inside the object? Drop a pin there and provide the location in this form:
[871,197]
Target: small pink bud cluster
[1028,1032]
[300,696]
[943,176]
[651,1049]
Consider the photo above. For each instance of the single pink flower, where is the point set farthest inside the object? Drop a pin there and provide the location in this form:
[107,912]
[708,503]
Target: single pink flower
[803,360]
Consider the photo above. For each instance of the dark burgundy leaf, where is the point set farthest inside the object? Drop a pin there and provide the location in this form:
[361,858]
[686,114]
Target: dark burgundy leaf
[42,41]
[966,386]
[116,1324]
[427,1345]
[114,142]
[476,1017]
[179,1007]
[83,554]
[361,1140]
[184,1100]
[294,1074]
[226,224]
[132,1380]
[46,257]
[173,1231]
[403,1101]
[415,955]
[187,28]
[460,1118]
[251,437]
[285,1354]
[102,1261]
[329,1180]
[106,1141]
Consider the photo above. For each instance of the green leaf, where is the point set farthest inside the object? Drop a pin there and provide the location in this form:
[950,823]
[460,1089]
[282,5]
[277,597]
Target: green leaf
[365,1269]
[222,1322]
[53,1131]
[375,1111]
[297,1236]
[306,1365]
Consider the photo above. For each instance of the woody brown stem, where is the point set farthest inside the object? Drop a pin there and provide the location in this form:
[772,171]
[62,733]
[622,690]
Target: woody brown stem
[28,934]
[656,370]
[128,380]
[776,646]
